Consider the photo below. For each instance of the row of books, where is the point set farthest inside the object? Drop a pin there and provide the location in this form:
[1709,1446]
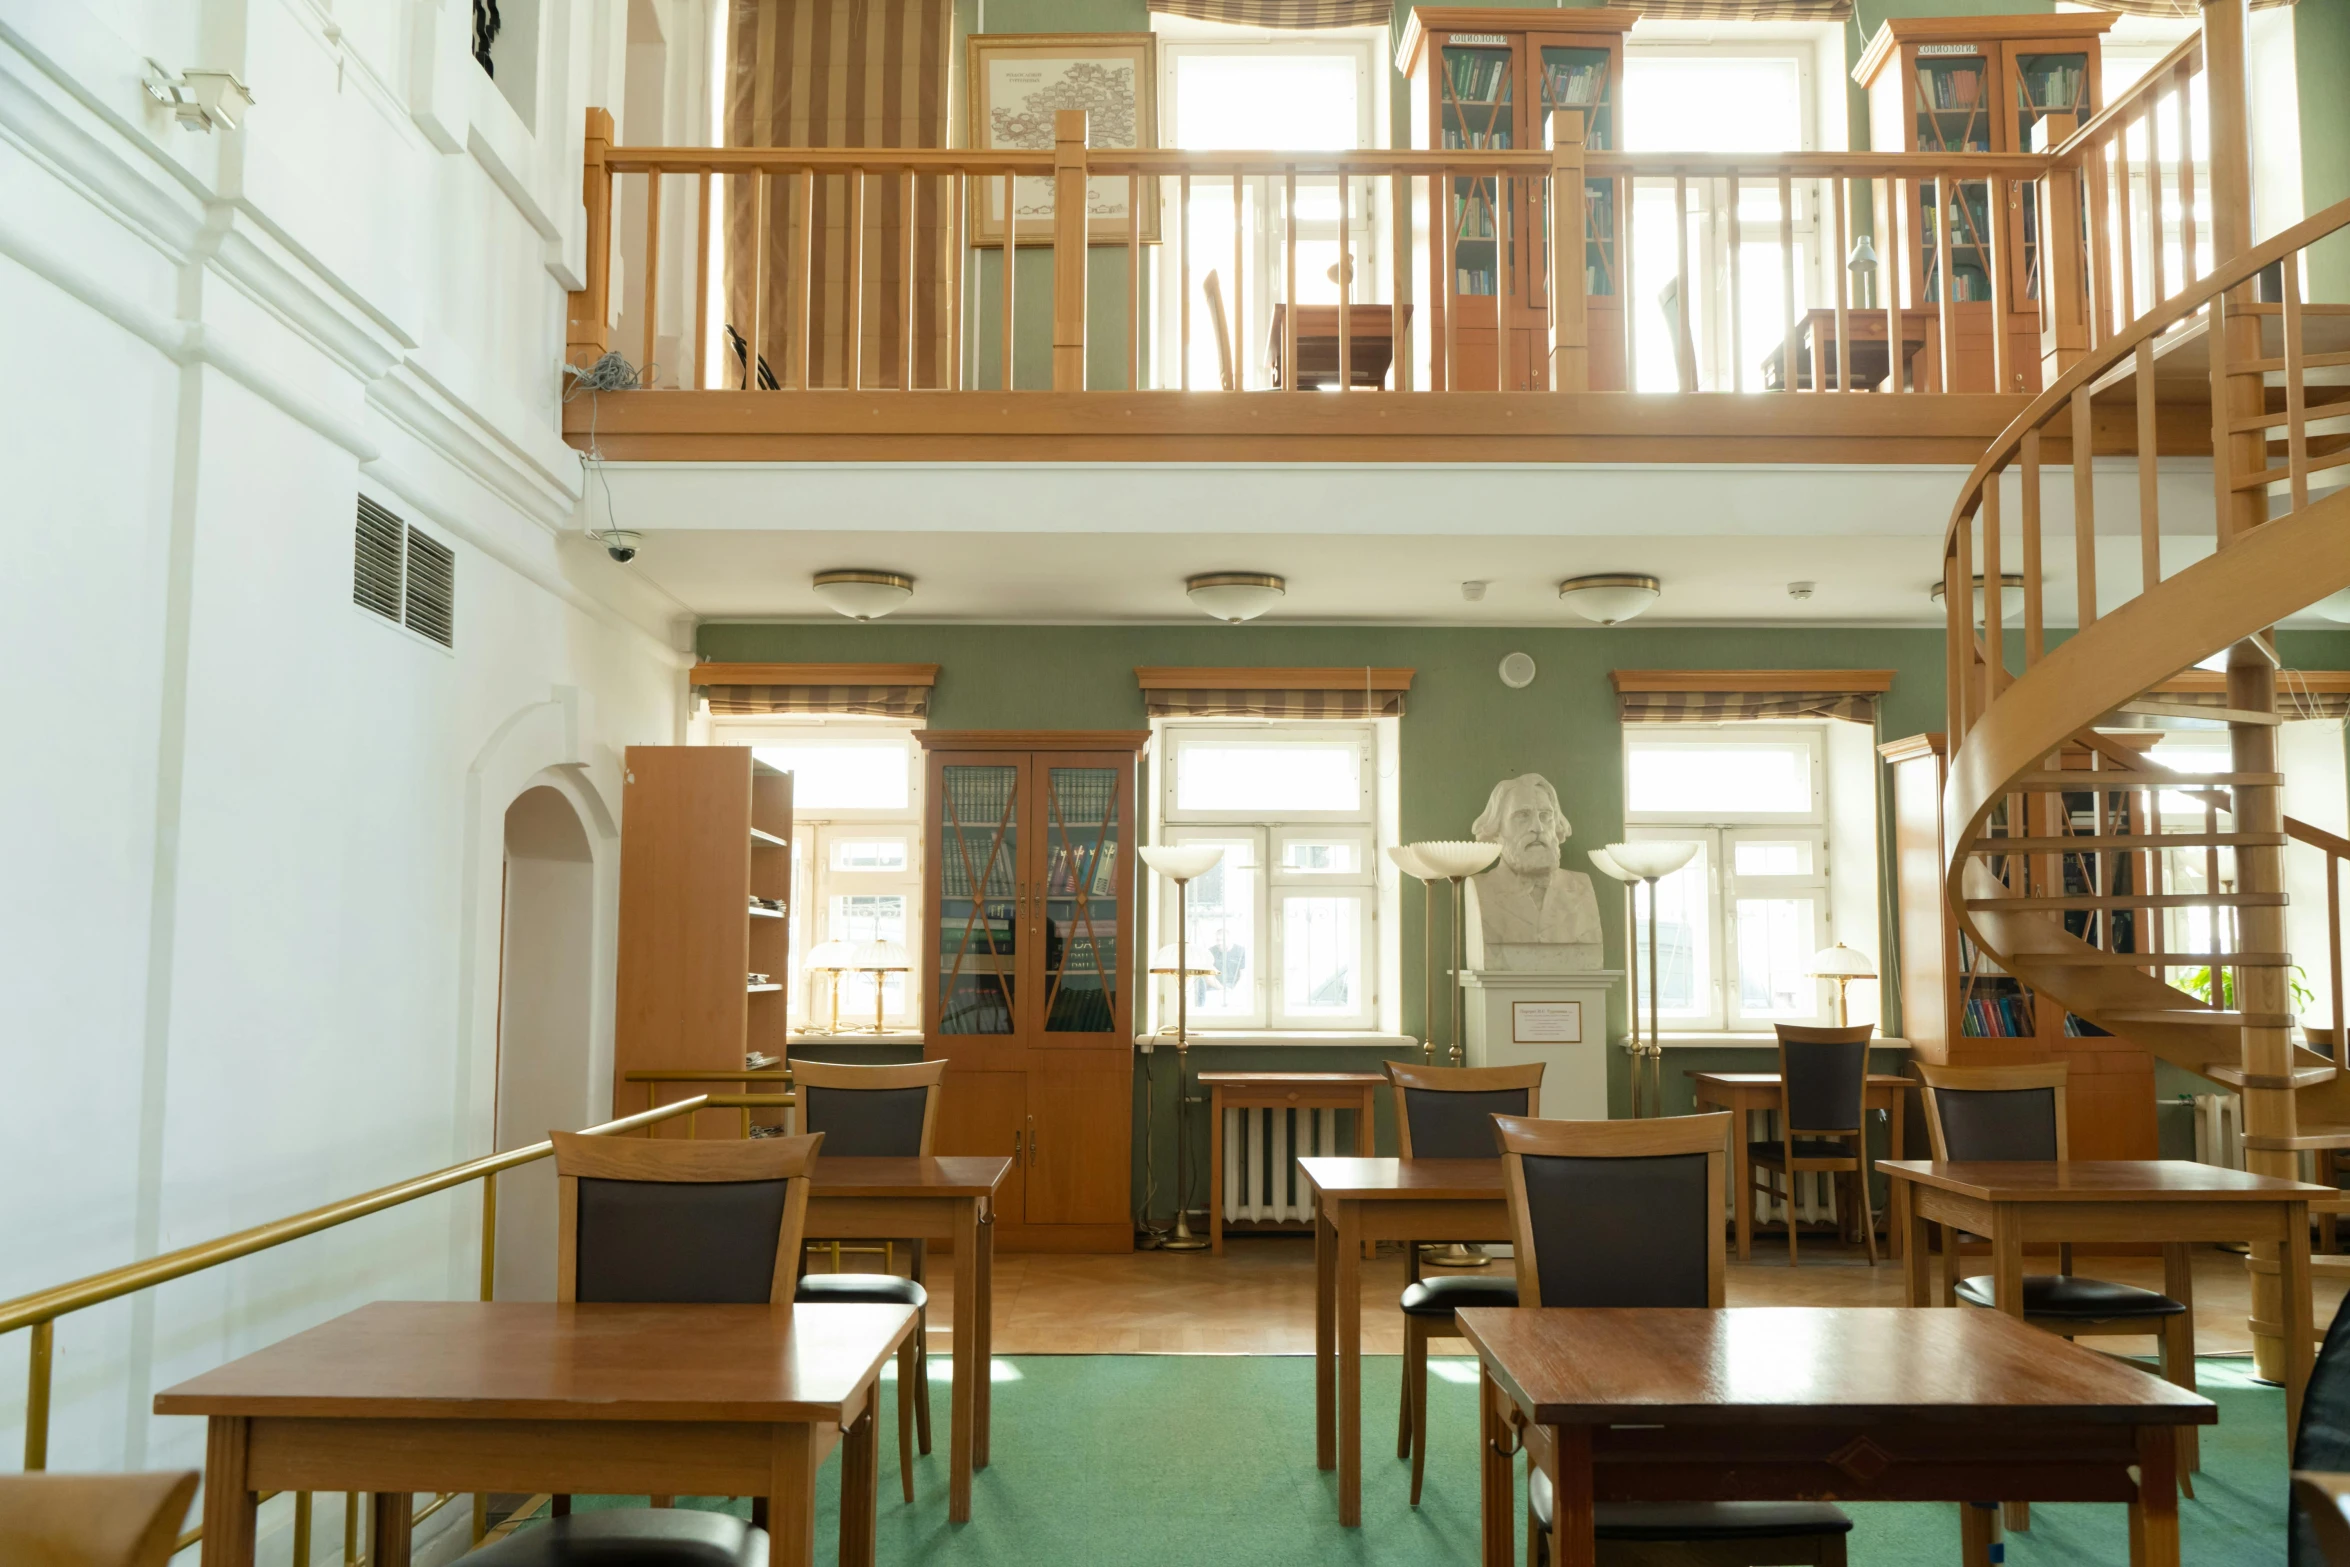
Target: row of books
[1477,139]
[1477,76]
[2055,87]
[1952,89]
[1996,1017]
[1093,867]
[1575,86]
[1475,280]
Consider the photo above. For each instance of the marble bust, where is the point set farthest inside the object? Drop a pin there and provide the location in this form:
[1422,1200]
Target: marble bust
[1526,913]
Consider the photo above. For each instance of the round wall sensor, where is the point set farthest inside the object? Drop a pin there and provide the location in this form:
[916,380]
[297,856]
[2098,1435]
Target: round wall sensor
[1517,671]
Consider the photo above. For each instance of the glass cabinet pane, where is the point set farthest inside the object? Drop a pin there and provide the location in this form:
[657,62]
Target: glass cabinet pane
[2045,84]
[1082,842]
[1955,102]
[1478,103]
[1584,80]
[979,837]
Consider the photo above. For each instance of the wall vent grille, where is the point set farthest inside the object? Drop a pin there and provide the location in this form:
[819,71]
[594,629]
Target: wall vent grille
[378,574]
[432,589]
[404,574]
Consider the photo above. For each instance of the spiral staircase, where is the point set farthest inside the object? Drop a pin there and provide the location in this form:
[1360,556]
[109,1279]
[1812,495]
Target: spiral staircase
[2054,835]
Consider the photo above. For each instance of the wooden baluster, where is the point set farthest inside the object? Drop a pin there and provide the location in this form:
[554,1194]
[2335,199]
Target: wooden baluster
[2226,481]
[756,345]
[2125,231]
[1893,216]
[1133,282]
[1996,194]
[2084,508]
[1289,376]
[2034,644]
[958,248]
[652,269]
[1945,247]
[1840,196]
[1738,308]
[1450,292]
[1958,611]
[1570,306]
[1399,200]
[588,311]
[2188,270]
[1787,318]
[1504,235]
[2064,289]
[2100,269]
[1994,595]
[1346,359]
[2297,428]
[853,305]
[1684,348]
[906,225]
[2156,226]
[1183,301]
[799,284]
[1011,271]
[1238,306]
[2334,954]
[2149,503]
[1069,255]
[701,284]
[1628,189]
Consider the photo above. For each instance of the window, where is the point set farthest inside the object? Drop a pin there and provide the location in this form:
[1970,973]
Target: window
[856,854]
[1226,87]
[1736,926]
[1286,922]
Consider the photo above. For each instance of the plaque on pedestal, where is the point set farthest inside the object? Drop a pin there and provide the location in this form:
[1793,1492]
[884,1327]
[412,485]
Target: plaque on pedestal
[1559,1020]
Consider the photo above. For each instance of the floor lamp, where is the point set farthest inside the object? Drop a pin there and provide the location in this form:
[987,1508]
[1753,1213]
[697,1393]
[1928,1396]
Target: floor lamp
[1601,862]
[1168,960]
[1407,859]
[1651,860]
[1181,863]
[1456,862]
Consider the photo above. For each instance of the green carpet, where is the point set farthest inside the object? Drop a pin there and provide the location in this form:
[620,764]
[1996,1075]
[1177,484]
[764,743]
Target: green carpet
[1208,1461]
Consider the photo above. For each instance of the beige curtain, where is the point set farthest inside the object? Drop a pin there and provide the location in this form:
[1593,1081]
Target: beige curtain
[839,73]
[1738,10]
[1287,14]
[1169,692]
[1715,707]
[866,701]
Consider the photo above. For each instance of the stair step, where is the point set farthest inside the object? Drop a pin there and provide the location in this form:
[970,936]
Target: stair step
[2118,778]
[2231,715]
[2094,959]
[2082,843]
[2193,1015]
[2326,1264]
[2138,900]
[2319,1136]
[2234,1076]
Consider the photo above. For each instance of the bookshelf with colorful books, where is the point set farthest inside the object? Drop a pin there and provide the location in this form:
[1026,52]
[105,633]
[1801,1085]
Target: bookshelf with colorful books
[1489,80]
[1978,85]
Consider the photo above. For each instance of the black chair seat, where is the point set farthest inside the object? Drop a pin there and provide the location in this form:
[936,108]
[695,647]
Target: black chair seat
[1443,1297]
[1699,1521]
[2064,1295]
[630,1537]
[1805,1148]
[860,1289]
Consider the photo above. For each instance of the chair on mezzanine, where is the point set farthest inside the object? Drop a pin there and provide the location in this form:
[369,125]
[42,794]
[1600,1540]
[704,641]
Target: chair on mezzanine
[93,1520]
[1629,1213]
[1823,1101]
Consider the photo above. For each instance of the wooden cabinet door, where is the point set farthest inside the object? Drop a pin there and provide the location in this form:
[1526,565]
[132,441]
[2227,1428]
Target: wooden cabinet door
[987,1113]
[1080,1146]
[978,843]
[1077,941]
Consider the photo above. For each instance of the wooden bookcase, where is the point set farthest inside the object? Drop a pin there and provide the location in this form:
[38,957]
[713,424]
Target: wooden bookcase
[1030,951]
[1979,84]
[1489,79]
[704,830]
[1958,1008]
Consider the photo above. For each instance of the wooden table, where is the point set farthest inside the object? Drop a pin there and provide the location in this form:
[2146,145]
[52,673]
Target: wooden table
[1354,1091]
[2175,1202]
[407,1396]
[1877,1404]
[1815,340]
[944,1199]
[1370,331]
[1742,1093]
[1357,1201]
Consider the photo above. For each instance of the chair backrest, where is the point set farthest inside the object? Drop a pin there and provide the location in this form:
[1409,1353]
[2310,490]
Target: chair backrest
[2323,1441]
[1214,289]
[1823,1078]
[710,1223]
[1446,1112]
[1617,1213]
[2001,1113]
[870,1111]
[102,1520]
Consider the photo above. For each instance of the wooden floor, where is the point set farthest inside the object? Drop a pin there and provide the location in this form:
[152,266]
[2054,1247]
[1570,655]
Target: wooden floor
[1258,1298]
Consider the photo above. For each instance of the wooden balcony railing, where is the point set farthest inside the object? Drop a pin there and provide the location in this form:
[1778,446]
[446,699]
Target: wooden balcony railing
[1502,289]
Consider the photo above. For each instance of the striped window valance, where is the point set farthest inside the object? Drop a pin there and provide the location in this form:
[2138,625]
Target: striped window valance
[865,690]
[1738,10]
[1289,15]
[2170,10]
[1177,692]
[2301,693]
[1716,696]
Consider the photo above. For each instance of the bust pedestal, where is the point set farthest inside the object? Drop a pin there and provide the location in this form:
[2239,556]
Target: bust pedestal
[1559,1020]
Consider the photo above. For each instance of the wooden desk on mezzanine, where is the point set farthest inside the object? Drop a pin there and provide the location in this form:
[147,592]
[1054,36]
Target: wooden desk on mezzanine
[1371,334]
[1815,346]
[1742,1093]
[1800,1403]
[938,1199]
[629,1400]
[1358,1201]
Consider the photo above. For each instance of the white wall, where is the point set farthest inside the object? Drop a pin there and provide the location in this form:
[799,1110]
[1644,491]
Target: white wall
[249,899]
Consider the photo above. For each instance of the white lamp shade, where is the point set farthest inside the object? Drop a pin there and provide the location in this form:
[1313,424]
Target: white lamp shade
[1407,860]
[1605,863]
[863,595]
[1841,962]
[880,955]
[1609,598]
[1165,961]
[1236,595]
[1182,861]
[1454,857]
[1652,857]
[2335,607]
[833,955]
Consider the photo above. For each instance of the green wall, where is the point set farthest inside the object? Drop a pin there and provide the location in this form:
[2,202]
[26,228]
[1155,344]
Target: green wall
[2321,57]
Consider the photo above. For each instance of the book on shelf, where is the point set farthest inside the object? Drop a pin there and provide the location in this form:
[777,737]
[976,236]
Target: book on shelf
[2054,88]
[1475,280]
[1477,76]
[1996,1017]
[1953,88]
[1489,141]
[1476,217]
[1575,86]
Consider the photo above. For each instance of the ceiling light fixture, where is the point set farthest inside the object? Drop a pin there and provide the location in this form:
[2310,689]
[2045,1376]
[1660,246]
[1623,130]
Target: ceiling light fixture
[1235,596]
[863,595]
[2011,595]
[1610,597]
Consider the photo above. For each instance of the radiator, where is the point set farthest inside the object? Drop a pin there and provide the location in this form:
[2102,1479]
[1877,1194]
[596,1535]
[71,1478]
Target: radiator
[1815,1190]
[1261,1150]
[2219,1130]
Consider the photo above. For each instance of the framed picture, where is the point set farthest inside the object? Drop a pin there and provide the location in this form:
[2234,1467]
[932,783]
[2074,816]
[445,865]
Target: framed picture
[1018,81]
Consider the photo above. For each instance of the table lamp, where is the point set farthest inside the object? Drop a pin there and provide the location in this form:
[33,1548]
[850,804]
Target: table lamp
[1456,861]
[1842,964]
[1407,859]
[878,958]
[830,958]
[1182,863]
[1650,860]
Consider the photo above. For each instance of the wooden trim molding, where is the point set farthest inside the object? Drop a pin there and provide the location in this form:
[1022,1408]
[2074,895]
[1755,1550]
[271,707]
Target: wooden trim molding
[1169,677]
[1873,682]
[708,674]
[1033,739]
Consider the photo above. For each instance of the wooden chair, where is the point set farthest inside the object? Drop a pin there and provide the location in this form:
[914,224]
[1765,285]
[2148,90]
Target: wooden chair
[1446,1112]
[644,1220]
[2321,1454]
[886,1112]
[1629,1213]
[1994,1114]
[63,1520]
[1214,289]
[1823,1098]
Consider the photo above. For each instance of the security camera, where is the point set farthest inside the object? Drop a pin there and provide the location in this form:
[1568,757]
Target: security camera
[621,544]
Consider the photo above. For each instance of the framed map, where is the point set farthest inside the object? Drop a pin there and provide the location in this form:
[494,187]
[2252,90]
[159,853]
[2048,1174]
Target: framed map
[1018,81]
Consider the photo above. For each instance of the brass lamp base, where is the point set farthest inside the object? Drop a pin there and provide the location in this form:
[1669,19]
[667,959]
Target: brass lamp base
[1183,1239]
[1453,1255]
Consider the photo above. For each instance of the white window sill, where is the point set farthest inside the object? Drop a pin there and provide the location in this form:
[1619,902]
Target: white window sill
[896,1036]
[1692,1039]
[1202,1038]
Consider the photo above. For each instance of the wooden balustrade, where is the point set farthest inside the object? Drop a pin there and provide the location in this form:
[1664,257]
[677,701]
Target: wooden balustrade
[1660,244]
